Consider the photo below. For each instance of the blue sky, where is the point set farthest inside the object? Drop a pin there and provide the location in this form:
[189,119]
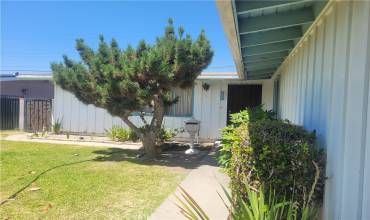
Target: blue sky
[33,34]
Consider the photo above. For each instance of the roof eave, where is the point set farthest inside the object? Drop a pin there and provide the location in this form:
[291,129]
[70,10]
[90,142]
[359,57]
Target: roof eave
[226,11]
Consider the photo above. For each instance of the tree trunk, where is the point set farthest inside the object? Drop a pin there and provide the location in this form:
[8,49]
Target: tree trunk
[149,145]
[149,135]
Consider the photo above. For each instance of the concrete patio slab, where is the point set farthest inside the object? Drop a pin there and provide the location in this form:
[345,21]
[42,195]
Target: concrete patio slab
[202,184]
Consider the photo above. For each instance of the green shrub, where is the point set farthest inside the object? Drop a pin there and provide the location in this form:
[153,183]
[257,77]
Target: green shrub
[283,157]
[265,151]
[112,133]
[57,126]
[132,135]
[230,137]
[118,133]
[166,134]
[251,115]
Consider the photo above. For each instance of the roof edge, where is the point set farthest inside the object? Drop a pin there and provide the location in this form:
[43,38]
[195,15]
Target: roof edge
[303,39]
[226,12]
[17,77]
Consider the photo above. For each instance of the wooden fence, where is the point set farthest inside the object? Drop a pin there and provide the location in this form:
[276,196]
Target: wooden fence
[37,115]
[9,112]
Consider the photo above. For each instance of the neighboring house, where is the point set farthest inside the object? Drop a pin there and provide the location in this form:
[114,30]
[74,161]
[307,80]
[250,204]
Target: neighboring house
[30,86]
[317,56]
[26,101]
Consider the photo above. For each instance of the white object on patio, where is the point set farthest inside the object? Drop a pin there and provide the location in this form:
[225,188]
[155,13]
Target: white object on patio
[192,126]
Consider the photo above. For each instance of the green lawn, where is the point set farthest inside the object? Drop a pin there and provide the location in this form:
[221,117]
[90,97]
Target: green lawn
[80,182]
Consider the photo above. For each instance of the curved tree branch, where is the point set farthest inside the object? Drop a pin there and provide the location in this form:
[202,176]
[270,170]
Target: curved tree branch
[132,125]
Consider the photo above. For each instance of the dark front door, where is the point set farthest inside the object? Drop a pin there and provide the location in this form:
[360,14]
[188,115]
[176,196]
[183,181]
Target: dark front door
[242,96]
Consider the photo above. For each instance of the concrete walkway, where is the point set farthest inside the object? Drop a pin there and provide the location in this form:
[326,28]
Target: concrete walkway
[25,137]
[202,184]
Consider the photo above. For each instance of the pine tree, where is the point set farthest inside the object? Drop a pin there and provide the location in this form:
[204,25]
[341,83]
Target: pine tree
[124,81]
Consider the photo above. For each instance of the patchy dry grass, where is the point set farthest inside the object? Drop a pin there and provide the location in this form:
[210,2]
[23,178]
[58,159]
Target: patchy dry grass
[80,182]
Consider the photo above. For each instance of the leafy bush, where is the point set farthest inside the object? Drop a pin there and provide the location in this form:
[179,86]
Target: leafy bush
[111,133]
[118,133]
[279,155]
[166,134]
[266,151]
[230,137]
[132,135]
[251,115]
[57,126]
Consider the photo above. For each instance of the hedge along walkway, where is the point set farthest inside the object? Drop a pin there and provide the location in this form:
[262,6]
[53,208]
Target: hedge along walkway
[203,184]
[91,143]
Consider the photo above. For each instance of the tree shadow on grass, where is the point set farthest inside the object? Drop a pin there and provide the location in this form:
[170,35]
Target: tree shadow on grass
[170,157]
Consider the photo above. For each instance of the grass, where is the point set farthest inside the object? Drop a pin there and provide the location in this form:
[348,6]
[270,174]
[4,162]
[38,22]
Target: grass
[81,182]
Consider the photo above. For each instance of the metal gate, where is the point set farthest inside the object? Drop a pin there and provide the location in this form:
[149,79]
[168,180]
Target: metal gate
[9,111]
[37,115]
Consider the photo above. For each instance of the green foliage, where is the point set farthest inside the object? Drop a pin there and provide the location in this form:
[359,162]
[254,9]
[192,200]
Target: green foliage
[257,114]
[118,133]
[189,207]
[132,135]
[231,138]
[264,150]
[112,133]
[279,155]
[129,80]
[255,207]
[250,115]
[57,126]
[166,134]
[252,204]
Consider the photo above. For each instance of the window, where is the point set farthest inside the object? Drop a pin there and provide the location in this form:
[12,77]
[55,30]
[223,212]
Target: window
[184,106]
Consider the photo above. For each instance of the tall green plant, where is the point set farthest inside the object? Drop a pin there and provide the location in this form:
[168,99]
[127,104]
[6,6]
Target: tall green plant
[57,126]
[255,207]
[189,207]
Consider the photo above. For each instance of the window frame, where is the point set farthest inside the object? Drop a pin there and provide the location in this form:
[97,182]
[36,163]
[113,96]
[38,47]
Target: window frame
[173,115]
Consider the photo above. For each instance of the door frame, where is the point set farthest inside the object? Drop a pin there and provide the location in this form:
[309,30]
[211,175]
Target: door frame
[240,84]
